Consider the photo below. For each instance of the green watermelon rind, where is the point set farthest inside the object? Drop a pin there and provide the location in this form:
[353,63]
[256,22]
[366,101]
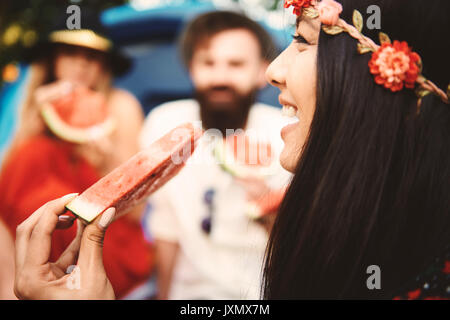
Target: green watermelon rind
[253,211]
[219,153]
[88,208]
[76,212]
[78,215]
[73,134]
[228,164]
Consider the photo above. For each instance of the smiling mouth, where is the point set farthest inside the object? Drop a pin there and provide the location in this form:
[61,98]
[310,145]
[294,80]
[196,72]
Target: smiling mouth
[289,111]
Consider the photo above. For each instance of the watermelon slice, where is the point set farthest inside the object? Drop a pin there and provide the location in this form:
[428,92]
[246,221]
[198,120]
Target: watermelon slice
[244,156]
[132,182]
[79,117]
[267,204]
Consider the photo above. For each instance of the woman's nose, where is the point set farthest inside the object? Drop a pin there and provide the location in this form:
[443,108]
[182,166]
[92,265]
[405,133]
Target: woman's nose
[276,72]
[81,61]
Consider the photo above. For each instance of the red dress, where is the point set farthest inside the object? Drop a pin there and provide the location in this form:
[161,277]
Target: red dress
[43,169]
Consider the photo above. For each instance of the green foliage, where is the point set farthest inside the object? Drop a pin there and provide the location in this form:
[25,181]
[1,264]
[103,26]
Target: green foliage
[22,22]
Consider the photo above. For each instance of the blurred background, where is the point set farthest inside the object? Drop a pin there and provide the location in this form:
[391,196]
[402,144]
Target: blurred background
[145,30]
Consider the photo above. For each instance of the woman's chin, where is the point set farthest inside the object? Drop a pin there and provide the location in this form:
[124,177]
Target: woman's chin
[288,160]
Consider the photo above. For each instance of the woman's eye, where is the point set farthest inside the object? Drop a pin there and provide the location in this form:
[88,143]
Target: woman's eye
[299,39]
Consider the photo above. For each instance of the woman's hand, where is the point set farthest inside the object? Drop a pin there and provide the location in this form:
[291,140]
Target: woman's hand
[37,278]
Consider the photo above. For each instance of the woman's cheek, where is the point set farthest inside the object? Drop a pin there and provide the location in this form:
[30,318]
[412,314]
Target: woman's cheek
[63,69]
[93,75]
[302,83]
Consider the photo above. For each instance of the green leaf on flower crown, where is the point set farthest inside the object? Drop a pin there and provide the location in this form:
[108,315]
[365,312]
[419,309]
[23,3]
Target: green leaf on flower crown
[362,49]
[358,20]
[333,30]
[310,13]
[421,93]
[384,38]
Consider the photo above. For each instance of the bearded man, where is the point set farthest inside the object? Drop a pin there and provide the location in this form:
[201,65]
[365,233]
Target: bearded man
[207,245]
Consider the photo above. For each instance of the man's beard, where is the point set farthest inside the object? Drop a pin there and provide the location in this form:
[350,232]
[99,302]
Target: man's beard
[231,114]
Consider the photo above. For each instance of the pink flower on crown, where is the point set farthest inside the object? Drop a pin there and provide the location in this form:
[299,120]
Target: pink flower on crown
[329,11]
[395,66]
[298,5]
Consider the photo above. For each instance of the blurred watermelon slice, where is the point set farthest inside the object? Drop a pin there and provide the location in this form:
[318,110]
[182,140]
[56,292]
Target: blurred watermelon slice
[144,173]
[79,116]
[245,156]
[267,204]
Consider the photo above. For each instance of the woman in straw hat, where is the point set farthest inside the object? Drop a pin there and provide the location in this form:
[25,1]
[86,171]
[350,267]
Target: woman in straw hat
[42,164]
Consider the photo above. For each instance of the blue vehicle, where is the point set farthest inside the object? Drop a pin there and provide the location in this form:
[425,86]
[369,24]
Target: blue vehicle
[149,37]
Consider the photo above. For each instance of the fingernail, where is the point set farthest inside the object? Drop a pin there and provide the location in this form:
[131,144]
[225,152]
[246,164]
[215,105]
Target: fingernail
[70,268]
[107,217]
[66,218]
[69,196]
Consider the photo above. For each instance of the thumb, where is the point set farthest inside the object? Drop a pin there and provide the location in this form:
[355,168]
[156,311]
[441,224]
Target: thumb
[91,249]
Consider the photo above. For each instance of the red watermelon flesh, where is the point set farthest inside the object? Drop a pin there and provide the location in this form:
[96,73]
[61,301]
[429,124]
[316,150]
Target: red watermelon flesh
[250,152]
[244,155]
[79,117]
[82,108]
[132,182]
[267,204]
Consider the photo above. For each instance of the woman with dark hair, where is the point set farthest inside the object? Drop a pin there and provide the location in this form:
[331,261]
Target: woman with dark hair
[371,163]
[370,157]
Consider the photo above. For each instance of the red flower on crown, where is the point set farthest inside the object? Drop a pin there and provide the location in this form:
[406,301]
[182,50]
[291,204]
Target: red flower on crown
[298,5]
[395,66]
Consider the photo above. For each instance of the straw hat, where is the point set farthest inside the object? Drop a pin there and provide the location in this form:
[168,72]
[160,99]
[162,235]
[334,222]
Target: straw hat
[92,35]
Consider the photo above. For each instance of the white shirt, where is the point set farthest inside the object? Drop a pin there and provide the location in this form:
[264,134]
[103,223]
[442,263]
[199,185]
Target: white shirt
[227,263]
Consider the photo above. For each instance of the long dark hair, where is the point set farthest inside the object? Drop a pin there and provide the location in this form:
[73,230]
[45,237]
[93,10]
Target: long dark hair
[373,181]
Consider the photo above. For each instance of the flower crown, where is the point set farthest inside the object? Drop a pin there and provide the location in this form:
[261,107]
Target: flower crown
[394,65]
